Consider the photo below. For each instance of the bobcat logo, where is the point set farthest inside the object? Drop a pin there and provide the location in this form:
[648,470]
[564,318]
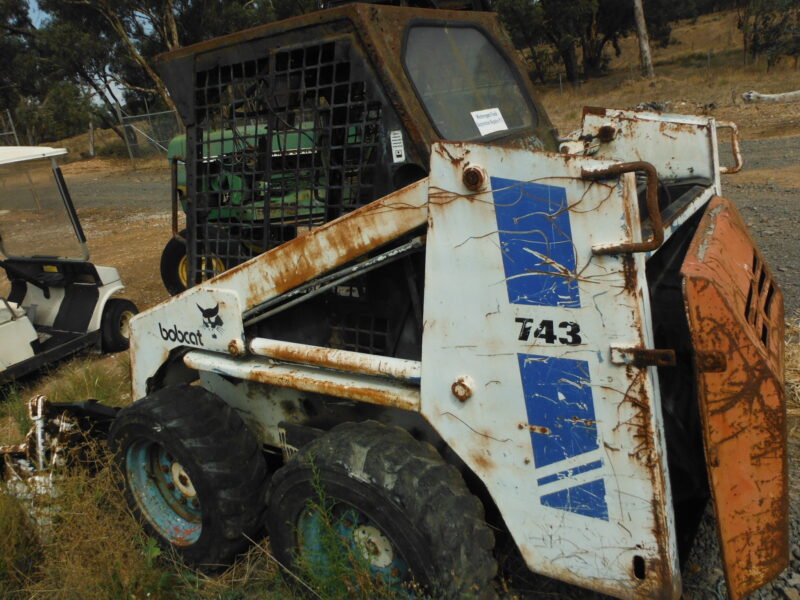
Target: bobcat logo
[211,319]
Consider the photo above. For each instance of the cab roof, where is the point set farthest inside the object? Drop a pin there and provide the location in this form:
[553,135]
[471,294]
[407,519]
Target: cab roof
[14,154]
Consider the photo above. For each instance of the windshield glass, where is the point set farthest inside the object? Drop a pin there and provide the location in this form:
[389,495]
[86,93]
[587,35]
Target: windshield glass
[464,82]
[33,218]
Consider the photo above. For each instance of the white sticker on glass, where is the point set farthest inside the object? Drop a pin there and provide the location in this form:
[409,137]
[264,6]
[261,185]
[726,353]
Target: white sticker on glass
[398,149]
[489,120]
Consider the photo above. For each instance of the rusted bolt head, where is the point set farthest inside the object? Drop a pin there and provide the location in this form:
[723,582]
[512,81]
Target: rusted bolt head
[462,389]
[474,177]
[235,348]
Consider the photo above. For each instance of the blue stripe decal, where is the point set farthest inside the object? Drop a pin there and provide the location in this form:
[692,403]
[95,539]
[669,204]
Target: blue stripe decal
[558,399]
[588,500]
[536,242]
[570,472]
[560,408]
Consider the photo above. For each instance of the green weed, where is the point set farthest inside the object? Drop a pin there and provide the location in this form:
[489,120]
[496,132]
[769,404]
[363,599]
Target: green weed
[107,381]
[14,410]
[331,565]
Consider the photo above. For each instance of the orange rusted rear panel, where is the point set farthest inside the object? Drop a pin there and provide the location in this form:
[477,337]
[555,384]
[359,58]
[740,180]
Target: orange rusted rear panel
[735,311]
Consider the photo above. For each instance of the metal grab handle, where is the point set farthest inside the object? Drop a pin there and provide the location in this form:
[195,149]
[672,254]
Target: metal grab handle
[735,147]
[652,206]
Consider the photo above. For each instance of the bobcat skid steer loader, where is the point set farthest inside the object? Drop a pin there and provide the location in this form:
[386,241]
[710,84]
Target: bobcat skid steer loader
[580,348]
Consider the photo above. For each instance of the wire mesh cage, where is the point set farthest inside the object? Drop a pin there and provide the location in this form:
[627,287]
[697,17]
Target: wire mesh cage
[284,141]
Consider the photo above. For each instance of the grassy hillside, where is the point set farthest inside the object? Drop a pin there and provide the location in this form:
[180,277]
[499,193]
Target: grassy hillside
[702,71]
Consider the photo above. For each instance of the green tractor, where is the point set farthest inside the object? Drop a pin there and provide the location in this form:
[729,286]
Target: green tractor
[243,204]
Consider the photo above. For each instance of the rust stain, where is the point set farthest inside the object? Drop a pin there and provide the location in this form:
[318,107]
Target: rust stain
[539,429]
[330,388]
[606,134]
[742,407]
[594,110]
[341,360]
[483,462]
[329,246]
[462,389]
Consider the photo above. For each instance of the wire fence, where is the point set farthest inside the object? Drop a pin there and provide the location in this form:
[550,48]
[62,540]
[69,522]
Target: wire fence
[149,134]
[8,133]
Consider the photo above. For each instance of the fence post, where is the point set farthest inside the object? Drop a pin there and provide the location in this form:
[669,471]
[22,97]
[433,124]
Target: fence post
[13,129]
[125,134]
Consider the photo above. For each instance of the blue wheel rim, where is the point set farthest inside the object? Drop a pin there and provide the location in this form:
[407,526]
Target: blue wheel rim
[163,492]
[355,535]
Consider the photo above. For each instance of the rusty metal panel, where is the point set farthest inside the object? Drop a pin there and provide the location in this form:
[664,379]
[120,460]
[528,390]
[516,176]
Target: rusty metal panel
[351,386]
[341,360]
[682,148]
[226,297]
[735,311]
[518,374]
[679,146]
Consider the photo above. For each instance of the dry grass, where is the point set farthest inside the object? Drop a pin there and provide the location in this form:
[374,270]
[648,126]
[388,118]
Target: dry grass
[78,145]
[704,66]
[21,550]
[96,549]
[106,379]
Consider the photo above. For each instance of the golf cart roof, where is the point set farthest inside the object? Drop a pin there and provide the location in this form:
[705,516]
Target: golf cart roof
[13,154]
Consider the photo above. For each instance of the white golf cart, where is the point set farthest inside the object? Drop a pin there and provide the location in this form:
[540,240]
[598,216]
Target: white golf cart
[53,301]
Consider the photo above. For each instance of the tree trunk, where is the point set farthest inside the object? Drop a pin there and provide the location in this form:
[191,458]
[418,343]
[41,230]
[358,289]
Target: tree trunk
[569,57]
[644,40]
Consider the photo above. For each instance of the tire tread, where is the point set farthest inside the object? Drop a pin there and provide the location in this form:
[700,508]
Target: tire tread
[234,469]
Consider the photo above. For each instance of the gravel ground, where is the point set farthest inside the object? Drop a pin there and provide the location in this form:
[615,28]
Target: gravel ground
[770,207]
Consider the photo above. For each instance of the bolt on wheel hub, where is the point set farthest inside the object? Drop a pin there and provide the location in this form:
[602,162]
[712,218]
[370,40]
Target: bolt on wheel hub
[375,547]
[182,480]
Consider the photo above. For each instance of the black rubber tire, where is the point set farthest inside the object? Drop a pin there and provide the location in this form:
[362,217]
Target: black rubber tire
[114,328]
[172,255]
[419,502]
[221,457]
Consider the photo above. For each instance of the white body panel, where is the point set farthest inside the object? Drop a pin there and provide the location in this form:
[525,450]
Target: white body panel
[15,341]
[14,154]
[569,445]
[678,146]
[179,324]
[111,285]
[43,310]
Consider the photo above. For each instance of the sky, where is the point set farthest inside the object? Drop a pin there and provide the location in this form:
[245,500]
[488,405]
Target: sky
[37,16]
